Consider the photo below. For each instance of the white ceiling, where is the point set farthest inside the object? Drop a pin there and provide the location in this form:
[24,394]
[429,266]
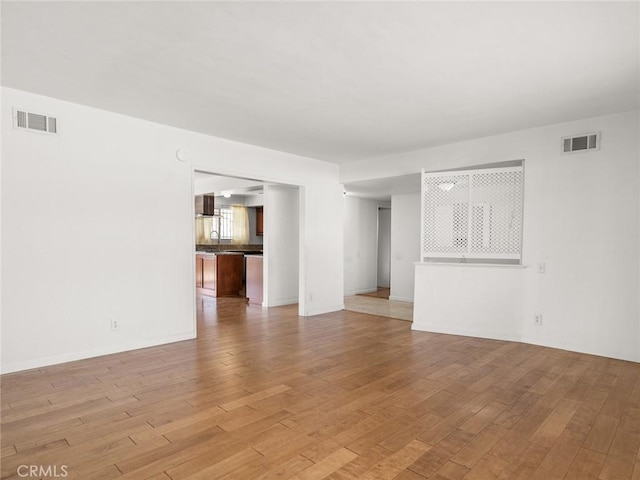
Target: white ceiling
[337,81]
[384,188]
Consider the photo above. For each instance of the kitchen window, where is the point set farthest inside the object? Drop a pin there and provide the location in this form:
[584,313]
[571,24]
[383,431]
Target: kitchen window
[207,228]
[226,222]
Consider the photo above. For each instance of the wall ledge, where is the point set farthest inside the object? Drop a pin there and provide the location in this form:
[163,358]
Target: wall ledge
[462,264]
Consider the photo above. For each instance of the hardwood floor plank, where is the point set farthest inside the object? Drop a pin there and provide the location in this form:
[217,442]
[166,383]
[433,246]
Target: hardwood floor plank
[451,471]
[286,469]
[622,455]
[254,397]
[636,470]
[602,434]
[557,462]
[357,467]
[398,440]
[555,423]
[218,469]
[479,446]
[484,417]
[587,465]
[327,465]
[394,464]
[525,464]
[488,468]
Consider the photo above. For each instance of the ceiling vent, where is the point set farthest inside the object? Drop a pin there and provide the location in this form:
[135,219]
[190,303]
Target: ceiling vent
[34,122]
[581,143]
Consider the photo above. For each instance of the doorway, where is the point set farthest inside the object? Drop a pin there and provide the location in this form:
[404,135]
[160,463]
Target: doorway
[273,214]
[384,251]
[376,301]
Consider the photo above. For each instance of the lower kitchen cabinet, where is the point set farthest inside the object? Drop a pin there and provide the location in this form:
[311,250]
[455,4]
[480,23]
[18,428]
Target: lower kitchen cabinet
[199,261]
[220,275]
[254,279]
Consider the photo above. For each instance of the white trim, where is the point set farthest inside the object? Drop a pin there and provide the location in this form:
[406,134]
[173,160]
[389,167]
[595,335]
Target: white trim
[427,327]
[498,256]
[322,310]
[401,299]
[360,291]
[193,256]
[580,348]
[462,264]
[452,173]
[57,359]
[281,303]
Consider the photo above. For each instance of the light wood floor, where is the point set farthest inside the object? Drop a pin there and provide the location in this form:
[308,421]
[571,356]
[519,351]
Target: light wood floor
[381,292]
[379,306]
[264,394]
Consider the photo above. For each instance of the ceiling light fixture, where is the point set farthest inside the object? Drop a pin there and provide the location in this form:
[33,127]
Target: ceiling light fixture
[446,186]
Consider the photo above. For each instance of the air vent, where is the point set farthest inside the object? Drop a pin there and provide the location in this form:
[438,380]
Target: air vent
[34,122]
[581,143]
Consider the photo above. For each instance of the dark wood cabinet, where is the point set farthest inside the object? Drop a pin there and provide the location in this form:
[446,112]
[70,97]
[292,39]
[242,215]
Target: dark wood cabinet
[259,221]
[199,261]
[205,205]
[209,273]
[219,275]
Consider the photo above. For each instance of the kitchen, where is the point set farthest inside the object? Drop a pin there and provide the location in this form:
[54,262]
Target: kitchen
[239,251]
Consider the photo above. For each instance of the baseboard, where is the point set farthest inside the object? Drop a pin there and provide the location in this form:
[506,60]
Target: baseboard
[351,293]
[574,347]
[71,357]
[321,310]
[282,303]
[424,327]
[401,299]
[571,347]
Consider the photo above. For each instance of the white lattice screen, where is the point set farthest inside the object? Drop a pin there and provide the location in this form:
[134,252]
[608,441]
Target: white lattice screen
[473,214]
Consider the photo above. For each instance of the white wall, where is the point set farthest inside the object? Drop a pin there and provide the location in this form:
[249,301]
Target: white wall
[384,247]
[217,184]
[582,218]
[472,300]
[281,239]
[405,244]
[360,245]
[78,209]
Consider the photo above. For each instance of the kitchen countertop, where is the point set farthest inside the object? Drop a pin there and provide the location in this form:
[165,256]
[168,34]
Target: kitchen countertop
[218,253]
[226,247]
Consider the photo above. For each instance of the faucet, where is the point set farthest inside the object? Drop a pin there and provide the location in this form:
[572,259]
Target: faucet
[217,233]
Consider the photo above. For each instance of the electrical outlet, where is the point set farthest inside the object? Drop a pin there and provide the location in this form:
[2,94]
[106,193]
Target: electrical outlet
[542,267]
[537,319]
[115,325]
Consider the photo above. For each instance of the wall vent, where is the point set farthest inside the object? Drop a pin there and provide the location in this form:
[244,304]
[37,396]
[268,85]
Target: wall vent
[581,143]
[34,122]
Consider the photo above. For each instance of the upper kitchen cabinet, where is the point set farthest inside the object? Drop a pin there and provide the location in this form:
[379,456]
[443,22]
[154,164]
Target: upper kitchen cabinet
[205,205]
[259,221]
